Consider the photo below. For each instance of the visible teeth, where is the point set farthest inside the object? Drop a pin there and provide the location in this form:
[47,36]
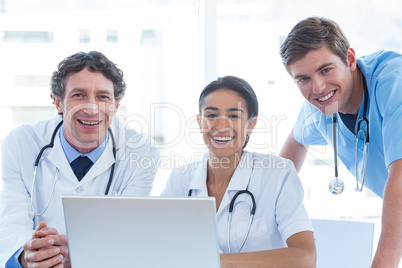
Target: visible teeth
[222,138]
[327,97]
[89,123]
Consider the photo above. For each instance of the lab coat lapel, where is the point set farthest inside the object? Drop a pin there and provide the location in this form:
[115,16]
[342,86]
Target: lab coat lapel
[239,180]
[102,164]
[58,158]
[199,182]
[107,159]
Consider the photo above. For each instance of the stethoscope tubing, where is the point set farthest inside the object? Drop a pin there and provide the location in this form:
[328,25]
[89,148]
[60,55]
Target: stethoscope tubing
[366,141]
[50,145]
[34,211]
[112,168]
[231,208]
[334,121]
[252,212]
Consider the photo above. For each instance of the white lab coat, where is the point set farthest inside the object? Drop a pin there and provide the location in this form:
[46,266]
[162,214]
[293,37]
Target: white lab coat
[278,195]
[19,151]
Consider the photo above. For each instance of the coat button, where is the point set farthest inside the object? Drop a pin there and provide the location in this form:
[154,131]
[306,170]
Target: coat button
[79,189]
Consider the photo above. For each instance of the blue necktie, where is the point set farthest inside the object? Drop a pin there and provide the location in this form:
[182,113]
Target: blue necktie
[80,166]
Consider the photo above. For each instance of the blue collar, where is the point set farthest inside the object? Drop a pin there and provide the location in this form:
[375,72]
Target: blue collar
[72,153]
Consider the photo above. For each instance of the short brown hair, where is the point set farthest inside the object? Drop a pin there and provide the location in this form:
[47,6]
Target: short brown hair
[311,34]
[94,61]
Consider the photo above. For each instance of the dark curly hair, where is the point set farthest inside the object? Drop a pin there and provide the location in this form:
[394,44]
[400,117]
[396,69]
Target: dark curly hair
[95,62]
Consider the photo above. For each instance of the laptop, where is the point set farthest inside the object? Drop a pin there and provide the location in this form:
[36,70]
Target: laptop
[110,231]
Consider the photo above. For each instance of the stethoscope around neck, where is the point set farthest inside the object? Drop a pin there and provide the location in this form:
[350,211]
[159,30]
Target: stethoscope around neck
[231,208]
[50,145]
[336,186]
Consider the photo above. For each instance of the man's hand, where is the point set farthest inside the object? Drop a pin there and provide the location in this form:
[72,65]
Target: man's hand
[47,248]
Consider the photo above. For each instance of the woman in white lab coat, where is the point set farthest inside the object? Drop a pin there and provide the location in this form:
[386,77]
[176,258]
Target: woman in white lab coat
[280,234]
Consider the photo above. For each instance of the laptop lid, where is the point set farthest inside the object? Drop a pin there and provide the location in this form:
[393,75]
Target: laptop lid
[110,231]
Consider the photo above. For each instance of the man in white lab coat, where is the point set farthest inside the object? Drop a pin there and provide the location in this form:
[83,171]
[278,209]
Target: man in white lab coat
[91,152]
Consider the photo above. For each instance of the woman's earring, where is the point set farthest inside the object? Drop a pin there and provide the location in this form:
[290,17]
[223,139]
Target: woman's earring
[247,139]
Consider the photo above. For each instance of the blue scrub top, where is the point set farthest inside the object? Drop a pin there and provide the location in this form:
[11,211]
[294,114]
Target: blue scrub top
[383,73]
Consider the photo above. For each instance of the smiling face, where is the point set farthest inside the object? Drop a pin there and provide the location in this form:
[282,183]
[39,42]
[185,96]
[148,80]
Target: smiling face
[326,82]
[224,123]
[88,107]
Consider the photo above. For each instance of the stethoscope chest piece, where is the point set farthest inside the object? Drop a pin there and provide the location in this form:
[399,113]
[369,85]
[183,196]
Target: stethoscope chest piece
[336,186]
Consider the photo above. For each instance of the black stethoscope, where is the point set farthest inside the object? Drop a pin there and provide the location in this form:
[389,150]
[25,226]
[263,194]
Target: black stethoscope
[231,207]
[50,145]
[336,186]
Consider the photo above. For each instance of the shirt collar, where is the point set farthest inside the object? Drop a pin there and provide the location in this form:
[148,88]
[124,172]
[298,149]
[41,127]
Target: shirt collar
[199,181]
[72,153]
[239,180]
[242,174]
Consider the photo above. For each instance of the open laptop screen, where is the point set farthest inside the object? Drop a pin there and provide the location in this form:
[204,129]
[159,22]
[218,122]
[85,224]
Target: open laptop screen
[109,231]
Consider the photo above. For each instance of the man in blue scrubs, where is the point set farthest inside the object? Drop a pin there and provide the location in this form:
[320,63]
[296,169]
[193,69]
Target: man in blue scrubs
[334,81]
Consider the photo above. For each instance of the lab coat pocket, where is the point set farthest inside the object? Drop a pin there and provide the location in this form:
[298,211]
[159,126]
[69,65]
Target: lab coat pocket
[258,238]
